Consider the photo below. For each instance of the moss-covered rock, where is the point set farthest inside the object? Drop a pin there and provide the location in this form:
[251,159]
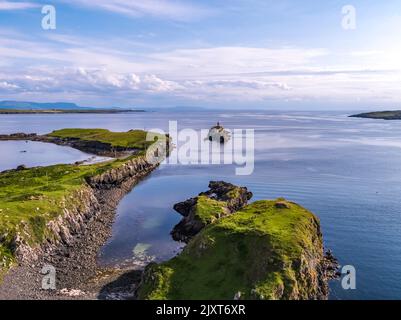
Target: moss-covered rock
[263,251]
[220,200]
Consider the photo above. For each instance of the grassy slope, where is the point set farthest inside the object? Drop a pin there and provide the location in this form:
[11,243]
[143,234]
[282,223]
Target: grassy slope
[208,210]
[131,139]
[31,198]
[255,251]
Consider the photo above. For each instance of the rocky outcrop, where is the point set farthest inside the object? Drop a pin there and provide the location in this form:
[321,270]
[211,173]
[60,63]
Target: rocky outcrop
[73,238]
[220,200]
[267,250]
[18,136]
[131,169]
[80,208]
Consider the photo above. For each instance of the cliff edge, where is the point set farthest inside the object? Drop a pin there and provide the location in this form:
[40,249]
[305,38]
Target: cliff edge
[269,249]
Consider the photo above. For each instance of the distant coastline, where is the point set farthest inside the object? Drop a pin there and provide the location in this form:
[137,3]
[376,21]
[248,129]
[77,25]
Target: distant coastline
[383,115]
[28,107]
[61,111]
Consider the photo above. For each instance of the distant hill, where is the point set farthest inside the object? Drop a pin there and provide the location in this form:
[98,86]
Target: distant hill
[26,105]
[385,115]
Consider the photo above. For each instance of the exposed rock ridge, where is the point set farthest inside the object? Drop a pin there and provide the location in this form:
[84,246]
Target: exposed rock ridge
[74,237]
[84,205]
[268,250]
[231,198]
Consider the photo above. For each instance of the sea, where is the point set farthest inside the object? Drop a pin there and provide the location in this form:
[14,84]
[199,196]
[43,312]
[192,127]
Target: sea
[345,170]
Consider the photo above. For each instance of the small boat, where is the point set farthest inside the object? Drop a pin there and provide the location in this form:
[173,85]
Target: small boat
[218,133]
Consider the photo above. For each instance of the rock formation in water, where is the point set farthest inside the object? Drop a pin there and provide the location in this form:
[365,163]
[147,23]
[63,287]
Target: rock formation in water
[270,249]
[220,200]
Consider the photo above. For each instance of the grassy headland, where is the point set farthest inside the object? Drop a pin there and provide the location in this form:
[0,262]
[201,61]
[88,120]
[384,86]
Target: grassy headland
[267,250]
[133,139]
[31,198]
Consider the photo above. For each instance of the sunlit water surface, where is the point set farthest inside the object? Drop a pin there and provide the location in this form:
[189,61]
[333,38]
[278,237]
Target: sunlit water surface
[346,170]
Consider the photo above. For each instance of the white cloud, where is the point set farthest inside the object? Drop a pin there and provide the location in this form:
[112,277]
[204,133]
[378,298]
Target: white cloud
[228,60]
[8,5]
[175,10]
[7,86]
[79,68]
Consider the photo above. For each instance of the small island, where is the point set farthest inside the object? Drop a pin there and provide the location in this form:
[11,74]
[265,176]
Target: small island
[383,115]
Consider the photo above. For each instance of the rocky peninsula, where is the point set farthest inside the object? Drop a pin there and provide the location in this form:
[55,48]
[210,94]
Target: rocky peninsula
[61,215]
[100,142]
[270,249]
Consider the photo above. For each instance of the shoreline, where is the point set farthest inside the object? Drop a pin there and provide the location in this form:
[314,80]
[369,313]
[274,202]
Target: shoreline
[76,262]
[77,236]
[75,258]
[67,111]
[96,148]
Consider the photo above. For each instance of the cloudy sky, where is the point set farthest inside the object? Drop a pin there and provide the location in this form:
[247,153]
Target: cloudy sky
[223,54]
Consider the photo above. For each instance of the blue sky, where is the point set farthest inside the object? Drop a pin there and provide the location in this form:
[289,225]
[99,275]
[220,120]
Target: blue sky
[221,54]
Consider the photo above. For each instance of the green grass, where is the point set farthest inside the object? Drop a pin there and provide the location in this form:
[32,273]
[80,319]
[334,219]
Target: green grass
[208,210]
[257,251]
[134,139]
[34,196]
[30,198]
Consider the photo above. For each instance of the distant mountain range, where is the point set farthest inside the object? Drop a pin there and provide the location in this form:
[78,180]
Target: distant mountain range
[26,105]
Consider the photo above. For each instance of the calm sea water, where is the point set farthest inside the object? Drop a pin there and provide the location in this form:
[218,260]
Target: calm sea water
[346,170]
[32,154]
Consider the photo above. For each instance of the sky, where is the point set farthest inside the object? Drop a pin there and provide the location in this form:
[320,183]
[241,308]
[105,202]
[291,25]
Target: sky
[238,54]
